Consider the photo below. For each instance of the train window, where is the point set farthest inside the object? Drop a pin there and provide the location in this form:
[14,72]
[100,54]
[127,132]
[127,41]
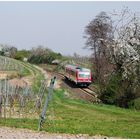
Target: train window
[84,75]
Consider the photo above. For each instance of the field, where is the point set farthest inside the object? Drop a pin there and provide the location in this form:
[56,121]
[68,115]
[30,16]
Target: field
[75,116]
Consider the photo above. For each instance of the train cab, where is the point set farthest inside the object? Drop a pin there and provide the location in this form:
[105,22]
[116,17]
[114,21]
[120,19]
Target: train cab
[81,76]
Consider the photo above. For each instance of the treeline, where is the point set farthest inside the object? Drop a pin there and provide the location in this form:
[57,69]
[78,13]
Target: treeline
[36,55]
[114,39]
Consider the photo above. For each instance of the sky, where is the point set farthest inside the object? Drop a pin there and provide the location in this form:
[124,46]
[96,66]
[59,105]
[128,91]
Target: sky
[58,25]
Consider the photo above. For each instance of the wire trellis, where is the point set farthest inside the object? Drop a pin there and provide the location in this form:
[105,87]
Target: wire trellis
[16,101]
[21,101]
[7,64]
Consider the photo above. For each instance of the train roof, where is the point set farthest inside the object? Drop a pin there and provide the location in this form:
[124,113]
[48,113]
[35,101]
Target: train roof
[77,68]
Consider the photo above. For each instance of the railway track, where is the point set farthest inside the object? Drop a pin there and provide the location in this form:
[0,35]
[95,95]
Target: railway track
[87,90]
[79,93]
[60,74]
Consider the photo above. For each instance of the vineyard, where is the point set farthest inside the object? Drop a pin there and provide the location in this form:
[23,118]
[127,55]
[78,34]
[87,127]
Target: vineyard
[22,89]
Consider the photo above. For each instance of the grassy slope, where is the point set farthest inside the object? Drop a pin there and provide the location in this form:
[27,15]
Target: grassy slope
[73,116]
[38,76]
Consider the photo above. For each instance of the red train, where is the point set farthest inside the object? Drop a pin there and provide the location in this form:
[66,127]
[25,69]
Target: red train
[80,76]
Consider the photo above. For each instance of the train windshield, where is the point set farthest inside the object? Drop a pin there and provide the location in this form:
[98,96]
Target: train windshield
[84,75]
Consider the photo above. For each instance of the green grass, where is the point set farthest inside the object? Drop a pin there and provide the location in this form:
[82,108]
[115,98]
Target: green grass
[73,116]
[48,67]
[37,82]
[19,123]
[38,76]
[24,72]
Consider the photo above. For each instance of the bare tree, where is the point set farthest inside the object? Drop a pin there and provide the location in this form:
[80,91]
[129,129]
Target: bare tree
[8,50]
[38,54]
[99,34]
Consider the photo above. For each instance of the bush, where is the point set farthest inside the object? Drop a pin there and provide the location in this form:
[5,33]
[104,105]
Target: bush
[110,90]
[135,104]
[20,55]
[119,92]
[47,57]
[120,96]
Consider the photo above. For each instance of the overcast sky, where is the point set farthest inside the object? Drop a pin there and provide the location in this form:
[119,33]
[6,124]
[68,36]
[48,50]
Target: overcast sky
[56,25]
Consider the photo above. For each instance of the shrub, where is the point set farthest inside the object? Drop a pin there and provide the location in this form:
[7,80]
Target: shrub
[110,90]
[135,104]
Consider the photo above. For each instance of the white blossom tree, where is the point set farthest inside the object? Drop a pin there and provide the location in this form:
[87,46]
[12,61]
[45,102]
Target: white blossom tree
[125,51]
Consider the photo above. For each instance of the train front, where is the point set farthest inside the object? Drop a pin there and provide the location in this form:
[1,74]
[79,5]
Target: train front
[84,77]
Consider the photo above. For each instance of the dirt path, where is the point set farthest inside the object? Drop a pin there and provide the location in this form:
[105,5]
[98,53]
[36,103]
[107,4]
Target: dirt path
[14,133]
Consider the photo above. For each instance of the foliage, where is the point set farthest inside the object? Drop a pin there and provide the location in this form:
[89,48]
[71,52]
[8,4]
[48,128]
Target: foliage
[135,104]
[118,91]
[20,55]
[109,94]
[7,50]
[43,55]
